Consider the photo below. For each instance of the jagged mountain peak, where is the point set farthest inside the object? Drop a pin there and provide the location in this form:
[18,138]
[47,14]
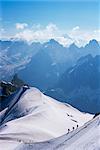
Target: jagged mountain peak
[92,44]
[52,42]
[93,41]
[73,46]
[86,58]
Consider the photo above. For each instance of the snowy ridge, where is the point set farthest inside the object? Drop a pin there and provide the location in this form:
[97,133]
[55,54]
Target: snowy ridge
[36,117]
[6,111]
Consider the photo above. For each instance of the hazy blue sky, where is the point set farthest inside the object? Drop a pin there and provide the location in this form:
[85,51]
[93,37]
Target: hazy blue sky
[64,14]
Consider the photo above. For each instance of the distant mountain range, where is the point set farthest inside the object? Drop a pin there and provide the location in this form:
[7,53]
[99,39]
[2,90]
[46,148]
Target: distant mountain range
[15,55]
[52,60]
[70,74]
[80,85]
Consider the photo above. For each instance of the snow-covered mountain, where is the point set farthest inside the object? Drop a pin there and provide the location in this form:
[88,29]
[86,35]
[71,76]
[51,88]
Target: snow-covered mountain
[33,117]
[71,73]
[86,137]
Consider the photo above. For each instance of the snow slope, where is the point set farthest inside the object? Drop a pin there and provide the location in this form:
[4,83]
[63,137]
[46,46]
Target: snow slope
[86,137]
[36,117]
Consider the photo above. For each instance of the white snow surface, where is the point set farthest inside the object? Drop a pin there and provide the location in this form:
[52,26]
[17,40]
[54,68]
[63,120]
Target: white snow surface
[86,137]
[39,118]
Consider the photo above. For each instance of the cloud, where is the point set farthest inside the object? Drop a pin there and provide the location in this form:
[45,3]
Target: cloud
[51,27]
[81,37]
[64,41]
[96,34]
[21,25]
[41,34]
[76,28]
[25,35]
[2,31]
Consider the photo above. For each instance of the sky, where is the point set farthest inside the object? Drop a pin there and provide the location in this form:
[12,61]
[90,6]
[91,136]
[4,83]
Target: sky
[66,21]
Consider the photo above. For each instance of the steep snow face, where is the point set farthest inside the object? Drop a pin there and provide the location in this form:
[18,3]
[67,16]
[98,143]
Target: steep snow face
[37,118]
[88,138]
